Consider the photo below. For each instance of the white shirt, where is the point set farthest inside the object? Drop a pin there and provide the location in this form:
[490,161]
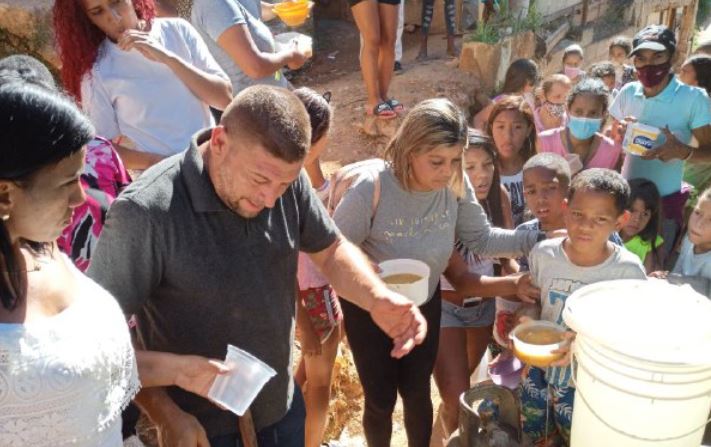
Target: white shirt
[127,94]
[65,379]
[691,264]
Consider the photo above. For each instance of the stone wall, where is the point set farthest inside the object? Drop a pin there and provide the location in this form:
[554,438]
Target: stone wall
[26,27]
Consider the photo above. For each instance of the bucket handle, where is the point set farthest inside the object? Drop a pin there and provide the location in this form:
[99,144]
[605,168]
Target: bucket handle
[574,365]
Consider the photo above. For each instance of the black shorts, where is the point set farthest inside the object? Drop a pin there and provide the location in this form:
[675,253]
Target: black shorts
[352,3]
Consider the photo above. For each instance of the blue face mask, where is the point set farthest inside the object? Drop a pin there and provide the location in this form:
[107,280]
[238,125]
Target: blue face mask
[583,128]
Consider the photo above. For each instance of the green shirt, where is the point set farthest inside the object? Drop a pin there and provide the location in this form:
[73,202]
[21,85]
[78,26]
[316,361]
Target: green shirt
[640,247]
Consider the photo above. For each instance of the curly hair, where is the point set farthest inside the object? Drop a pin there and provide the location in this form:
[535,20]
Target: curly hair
[78,39]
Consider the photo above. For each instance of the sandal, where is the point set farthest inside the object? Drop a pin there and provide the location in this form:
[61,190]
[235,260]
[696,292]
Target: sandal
[382,111]
[396,106]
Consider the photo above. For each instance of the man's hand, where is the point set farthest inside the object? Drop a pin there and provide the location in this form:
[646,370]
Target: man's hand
[672,149]
[180,429]
[196,374]
[401,320]
[526,291]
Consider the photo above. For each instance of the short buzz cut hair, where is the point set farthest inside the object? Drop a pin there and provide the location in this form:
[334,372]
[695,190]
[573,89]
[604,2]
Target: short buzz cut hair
[605,181]
[554,163]
[272,117]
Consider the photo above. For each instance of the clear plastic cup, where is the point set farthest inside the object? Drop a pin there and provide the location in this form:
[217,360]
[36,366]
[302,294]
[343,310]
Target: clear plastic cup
[416,291]
[237,389]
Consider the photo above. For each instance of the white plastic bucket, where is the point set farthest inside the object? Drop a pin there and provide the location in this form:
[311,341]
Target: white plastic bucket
[417,291]
[646,383]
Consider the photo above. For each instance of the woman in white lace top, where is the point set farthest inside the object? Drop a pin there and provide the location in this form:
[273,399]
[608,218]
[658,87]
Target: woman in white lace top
[67,367]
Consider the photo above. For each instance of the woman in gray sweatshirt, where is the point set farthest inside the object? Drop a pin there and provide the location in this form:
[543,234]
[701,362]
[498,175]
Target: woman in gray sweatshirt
[425,203]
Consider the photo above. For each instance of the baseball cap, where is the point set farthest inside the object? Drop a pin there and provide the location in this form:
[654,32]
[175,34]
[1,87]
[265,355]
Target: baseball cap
[654,37]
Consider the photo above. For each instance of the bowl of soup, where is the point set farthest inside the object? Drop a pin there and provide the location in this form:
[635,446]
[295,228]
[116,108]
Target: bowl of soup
[535,341]
[408,277]
[293,13]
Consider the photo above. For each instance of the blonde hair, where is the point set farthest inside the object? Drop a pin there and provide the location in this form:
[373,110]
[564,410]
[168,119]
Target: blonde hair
[554,79]
[430,124]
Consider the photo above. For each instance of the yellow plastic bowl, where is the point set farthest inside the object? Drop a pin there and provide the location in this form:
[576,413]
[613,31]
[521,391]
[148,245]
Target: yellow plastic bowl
[291,6]
[293,13]
[293,19]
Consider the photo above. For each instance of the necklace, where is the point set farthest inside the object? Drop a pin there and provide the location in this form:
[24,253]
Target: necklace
[38,262]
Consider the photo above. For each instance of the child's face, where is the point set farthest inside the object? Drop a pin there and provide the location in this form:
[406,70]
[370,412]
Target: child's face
[700,225]
[587,106]
[609,81]
[479,166]
[573,60]
[618,55]
[640,216]
[558,93]
[590,218]
[687,75]
[544,194]
[509,131]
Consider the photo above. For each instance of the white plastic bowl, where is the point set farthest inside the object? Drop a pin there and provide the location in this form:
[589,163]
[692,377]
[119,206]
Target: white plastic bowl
[417,291]
[536,354]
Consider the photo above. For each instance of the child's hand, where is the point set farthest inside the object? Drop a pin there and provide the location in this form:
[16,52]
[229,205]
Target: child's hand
[568,338]
[660,274]
[621,128]
[526,291]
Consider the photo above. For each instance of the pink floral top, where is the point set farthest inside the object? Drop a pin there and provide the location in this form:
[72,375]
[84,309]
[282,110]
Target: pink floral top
[104,177]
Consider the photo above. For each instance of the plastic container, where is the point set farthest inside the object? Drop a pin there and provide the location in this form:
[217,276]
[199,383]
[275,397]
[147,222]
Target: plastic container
[416,291]
[642,361]
[237,389]
[293,13]
[286,40]
[640,138]
[537,354]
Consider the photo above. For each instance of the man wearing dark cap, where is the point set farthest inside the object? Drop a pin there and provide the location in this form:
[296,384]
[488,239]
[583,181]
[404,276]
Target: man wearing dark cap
[680,111]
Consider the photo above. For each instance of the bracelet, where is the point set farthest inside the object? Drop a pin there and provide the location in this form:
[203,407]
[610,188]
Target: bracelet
[691,152]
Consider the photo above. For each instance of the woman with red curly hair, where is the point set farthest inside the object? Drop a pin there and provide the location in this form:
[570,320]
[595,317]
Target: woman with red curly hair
[146,83]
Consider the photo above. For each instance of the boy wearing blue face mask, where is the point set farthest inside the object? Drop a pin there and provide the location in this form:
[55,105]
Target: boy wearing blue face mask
[581,140]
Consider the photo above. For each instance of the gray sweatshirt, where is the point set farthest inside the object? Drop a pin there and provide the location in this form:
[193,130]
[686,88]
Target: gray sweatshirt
[422,225]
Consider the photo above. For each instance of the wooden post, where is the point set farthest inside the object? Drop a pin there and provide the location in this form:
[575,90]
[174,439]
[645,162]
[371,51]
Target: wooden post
[671,20]
[686,31]
[247,431]
[584,18]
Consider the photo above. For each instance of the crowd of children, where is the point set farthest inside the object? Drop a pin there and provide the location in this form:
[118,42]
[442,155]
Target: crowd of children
[547,157]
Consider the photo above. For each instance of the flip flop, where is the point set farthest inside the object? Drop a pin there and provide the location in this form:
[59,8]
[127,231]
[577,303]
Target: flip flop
[396,106]
[382,111]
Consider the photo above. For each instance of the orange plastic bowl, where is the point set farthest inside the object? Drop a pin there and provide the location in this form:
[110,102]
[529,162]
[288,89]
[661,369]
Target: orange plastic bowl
[293,13]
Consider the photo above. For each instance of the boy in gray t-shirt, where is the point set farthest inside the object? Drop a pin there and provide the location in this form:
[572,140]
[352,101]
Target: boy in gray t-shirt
[596,208]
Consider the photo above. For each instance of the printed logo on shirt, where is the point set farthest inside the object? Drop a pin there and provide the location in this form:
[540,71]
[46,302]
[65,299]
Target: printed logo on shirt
[418,227]
[518,204]
[558,292]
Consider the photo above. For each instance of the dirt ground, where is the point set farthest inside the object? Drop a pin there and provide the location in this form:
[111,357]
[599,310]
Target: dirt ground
[335,68]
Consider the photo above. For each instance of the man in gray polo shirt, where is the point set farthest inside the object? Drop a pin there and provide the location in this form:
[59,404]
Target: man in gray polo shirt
[203,250]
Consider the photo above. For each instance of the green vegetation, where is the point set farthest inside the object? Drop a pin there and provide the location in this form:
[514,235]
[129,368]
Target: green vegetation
[505,22]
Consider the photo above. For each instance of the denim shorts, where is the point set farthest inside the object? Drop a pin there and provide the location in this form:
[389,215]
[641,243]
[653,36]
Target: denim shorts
[480,315]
